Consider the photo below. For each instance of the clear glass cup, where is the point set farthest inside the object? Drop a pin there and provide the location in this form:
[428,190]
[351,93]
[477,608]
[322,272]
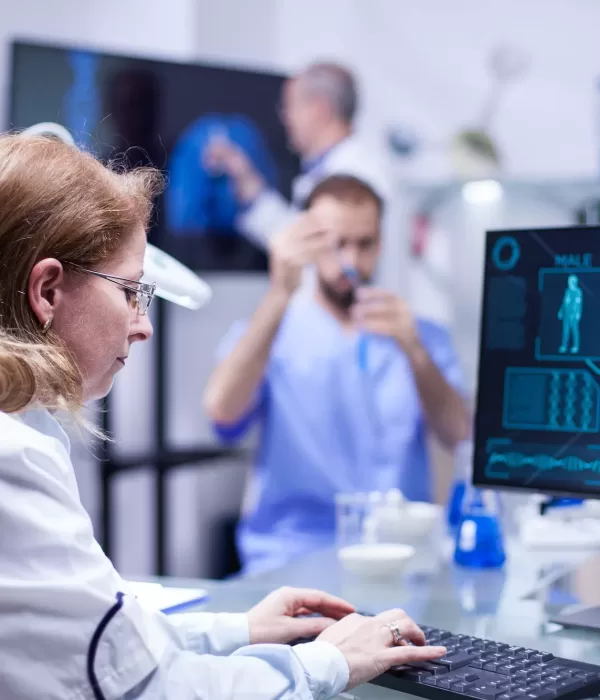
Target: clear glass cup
[355,518]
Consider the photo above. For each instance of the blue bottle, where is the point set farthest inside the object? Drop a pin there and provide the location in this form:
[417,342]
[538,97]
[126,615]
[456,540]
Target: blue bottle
[479,540]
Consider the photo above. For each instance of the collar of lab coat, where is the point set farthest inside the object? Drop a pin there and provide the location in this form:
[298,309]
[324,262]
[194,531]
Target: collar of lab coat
[44,422]
[308,165]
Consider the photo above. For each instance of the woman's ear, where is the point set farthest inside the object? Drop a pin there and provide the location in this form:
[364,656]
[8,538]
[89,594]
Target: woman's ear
[45,289]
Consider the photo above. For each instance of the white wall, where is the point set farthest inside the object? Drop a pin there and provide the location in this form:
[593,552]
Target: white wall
[424,64]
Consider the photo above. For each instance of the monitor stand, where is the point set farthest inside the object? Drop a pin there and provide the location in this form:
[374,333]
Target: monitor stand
[586,617]
[578,584]
[569,528]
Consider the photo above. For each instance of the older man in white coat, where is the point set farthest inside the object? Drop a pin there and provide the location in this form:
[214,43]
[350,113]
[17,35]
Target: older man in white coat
[318,109]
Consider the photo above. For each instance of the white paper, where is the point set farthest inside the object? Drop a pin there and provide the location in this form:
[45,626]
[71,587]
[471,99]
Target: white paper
[159,597]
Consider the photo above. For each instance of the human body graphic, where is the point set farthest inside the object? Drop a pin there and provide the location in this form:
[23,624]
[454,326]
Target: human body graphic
[570,314]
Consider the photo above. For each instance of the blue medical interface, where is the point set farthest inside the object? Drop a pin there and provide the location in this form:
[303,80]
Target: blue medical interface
[538,403]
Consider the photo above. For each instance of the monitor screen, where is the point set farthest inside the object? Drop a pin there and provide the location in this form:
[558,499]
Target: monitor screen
[538,403]
[166,114]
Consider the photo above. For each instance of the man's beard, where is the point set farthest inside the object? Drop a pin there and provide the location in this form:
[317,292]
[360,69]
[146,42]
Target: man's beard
[342,300]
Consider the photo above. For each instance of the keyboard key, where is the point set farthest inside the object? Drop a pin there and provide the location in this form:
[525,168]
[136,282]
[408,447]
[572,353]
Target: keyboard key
[508,670]
[571,684]
[485,692]
[469,677]
[491,666]
[432,680]
[586,676]
[540,695]
[519,687]
[429,667]
[454,661]
[533,687]
[462,687]
[542,657]
[545,666]
[515,650]
[400,669]
[477,663]
[416,675]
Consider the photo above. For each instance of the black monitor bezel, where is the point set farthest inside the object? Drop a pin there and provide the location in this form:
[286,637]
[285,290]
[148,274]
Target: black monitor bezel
[499,485]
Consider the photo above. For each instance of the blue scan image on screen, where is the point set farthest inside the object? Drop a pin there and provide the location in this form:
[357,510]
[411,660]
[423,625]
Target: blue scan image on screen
[560,400]
[198,200]
[81,102]
[568,327]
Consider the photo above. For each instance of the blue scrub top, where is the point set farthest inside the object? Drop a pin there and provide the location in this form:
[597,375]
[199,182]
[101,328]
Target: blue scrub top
[328,426]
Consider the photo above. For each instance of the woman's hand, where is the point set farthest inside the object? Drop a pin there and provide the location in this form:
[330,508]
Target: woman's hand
[275,619]
[367,644]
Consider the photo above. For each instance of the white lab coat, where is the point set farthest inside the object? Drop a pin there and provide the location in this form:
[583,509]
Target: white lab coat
[270,212]
[56,585]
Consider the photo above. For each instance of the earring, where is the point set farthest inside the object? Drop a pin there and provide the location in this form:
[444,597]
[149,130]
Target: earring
[46,326]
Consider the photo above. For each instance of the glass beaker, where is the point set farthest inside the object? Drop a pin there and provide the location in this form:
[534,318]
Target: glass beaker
[355,518]
[479,539]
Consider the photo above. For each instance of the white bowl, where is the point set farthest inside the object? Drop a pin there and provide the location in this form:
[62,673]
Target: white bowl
[419,518]
[375,560]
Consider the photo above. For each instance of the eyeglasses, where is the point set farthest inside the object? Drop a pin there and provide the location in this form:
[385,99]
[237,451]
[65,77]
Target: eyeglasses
[139,294]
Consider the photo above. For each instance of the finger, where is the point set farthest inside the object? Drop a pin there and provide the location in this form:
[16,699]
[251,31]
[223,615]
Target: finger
[313,233]
[404,655]
[408,627]
[303,611]
[372,294]
[409,630]
[375,312]
[308,251]
[323,603]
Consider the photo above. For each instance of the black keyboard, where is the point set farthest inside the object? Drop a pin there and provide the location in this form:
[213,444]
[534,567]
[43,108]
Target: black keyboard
[482,668]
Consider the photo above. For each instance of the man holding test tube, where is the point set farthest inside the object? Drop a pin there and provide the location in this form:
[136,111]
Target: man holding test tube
[344,382]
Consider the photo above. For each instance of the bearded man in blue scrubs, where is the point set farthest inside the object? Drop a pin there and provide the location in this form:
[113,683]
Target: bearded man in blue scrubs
[342,380]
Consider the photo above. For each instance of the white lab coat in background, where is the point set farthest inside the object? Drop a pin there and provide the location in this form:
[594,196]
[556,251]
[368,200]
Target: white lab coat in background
[56,585]
[271,211]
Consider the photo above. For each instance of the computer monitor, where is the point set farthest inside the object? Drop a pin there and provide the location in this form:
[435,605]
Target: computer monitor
[538,399]
[166,114]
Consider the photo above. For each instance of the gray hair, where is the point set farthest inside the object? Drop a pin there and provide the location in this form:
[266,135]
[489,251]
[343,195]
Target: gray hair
[337,84]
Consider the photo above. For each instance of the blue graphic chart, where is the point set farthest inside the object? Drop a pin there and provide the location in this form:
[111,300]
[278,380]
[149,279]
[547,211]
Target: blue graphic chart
[506,253]
[558,400]
[505,459]
[567,331]
[505,313]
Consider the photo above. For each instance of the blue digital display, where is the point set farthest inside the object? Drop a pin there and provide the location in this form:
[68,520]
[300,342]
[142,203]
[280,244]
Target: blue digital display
[538,403]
